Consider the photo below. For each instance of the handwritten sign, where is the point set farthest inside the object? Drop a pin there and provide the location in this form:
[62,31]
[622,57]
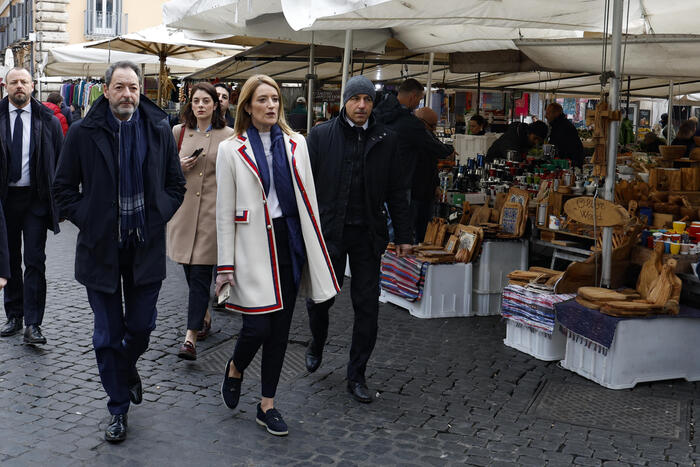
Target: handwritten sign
[607,214]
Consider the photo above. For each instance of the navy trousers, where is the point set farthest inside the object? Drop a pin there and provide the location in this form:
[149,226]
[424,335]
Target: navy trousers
[121,334]
[270,330]
[198,278]
[27,223]
[364,293]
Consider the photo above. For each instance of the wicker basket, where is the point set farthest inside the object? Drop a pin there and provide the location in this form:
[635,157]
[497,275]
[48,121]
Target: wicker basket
[672,152]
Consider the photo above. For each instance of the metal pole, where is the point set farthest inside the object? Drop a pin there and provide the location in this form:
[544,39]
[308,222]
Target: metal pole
[428,94]
[669,125]
[478,91]
[311,77]
[346,61]
[627,110]
[613,135]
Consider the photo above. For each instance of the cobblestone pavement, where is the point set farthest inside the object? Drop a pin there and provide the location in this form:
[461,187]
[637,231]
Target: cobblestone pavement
[448,393]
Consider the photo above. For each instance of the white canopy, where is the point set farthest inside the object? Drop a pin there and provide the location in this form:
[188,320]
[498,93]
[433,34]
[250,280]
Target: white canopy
[77,60]
[213,19]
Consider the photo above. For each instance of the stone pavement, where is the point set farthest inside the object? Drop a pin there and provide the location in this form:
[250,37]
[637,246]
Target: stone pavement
[448,393]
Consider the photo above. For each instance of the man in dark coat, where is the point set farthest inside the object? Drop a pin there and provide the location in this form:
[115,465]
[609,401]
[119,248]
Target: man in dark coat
[425,177]
[31,139]
[563,135]
[119,181]
[518,137]
[396,112]
[354,160]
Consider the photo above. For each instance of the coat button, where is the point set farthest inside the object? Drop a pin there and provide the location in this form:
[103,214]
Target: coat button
[264,201]
[197,193]
[200,174]
[269,227]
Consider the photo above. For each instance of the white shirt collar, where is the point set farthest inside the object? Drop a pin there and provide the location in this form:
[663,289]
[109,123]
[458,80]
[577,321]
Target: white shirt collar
[352,124]
[27,108]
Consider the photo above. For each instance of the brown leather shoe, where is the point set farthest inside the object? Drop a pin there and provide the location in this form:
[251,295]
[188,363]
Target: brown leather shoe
[204,332]
[187,351]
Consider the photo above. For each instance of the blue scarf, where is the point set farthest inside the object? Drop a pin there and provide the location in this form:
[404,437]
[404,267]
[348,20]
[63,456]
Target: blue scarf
[285,191]
[131,153]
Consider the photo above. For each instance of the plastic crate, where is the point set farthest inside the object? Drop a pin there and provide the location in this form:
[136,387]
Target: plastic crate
[535,342]
[642,350]
[447,293]
[497,260]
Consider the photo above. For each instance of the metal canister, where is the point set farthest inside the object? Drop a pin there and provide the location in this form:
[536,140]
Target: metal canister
[542,212]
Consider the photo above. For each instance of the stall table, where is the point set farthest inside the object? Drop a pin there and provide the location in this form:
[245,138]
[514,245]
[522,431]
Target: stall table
[618,353]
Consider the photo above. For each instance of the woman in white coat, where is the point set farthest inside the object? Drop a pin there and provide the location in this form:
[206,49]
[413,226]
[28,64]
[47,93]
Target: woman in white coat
[269,239]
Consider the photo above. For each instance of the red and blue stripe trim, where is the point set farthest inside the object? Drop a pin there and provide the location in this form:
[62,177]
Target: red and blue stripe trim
[319,237]
[243,217]
[225,268]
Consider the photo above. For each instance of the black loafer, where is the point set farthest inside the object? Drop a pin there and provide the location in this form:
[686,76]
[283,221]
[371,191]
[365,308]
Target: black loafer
[135,387]
[359,392]
[313,358]
[33,335]
[231,388]
[116,430]
[11,327]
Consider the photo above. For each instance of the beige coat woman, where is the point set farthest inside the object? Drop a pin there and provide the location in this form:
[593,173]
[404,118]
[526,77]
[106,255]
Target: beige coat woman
[192,230]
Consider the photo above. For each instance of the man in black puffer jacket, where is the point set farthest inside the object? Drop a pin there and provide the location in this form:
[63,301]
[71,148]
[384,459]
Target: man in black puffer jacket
[354,160]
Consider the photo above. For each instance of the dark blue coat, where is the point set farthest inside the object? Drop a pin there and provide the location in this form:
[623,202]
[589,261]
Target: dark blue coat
[45,146]
[4,251]
[87,195]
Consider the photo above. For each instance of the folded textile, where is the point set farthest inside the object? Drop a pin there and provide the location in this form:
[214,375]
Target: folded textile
[403,277]
[531,308]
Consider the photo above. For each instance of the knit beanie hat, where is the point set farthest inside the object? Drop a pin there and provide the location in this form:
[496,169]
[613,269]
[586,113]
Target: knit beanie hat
[358,85]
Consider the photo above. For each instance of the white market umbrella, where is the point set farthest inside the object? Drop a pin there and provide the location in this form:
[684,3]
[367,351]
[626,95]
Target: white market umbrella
[163,43]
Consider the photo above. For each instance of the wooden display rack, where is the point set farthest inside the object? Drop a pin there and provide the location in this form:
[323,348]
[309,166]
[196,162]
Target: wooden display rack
[600,118]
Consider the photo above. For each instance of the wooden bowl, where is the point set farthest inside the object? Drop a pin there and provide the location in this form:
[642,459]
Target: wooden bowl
[672,152]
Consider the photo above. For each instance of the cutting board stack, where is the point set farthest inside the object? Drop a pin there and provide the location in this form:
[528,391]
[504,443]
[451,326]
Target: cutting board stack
[535,275]
[628,302]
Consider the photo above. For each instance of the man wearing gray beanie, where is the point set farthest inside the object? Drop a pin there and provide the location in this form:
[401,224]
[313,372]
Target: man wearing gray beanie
[354,159]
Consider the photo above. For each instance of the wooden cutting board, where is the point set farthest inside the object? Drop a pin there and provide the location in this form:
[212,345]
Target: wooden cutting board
[598,294]
[587,304]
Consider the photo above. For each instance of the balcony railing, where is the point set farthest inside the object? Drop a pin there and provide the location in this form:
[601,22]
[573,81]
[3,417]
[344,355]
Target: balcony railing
[104,24]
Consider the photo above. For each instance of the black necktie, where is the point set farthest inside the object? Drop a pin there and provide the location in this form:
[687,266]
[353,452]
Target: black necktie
[16,150]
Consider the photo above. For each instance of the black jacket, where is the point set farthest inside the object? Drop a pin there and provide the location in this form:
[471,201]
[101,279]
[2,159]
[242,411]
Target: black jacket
[564,136]
[4,250]
[44,147]
[66,113]
[515,137]
[425,177]
[332,178]
[87,194]
[409,130]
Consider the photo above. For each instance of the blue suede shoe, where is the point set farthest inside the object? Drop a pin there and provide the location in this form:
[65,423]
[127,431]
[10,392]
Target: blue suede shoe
[273,421]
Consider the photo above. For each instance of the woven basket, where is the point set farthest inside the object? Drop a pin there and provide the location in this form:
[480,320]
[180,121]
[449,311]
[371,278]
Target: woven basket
[672,152]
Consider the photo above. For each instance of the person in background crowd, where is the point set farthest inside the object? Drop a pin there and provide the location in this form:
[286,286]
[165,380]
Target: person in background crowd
[269,242]
[299,106]
[652,142]
[34,140]
[224,93]
[563,135]
[685,136]
[356,157]
[192,230]
[298,115]
[460,124]
[119,181]
[519,137]
[53,102]
[663,122]
[75,114]
[477,125]
[425,177]
[65,111]
[396,113]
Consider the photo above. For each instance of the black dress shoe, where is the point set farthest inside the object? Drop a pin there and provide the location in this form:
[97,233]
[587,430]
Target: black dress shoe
[135,387]
[116,430]
[313,357]
[231,388]
[33,335]
[13,326]
[359,392]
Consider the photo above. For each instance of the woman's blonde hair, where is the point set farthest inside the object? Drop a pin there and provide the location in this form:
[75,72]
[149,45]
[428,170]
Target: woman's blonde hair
[243,120]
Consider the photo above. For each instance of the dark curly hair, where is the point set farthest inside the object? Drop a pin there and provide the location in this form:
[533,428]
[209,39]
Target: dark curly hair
[217,117]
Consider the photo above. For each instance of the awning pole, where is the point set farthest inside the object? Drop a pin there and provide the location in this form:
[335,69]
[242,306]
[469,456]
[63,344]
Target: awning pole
[613,136]
[478,91]
[428,94]
[311,77]
[346,61]
[669,125]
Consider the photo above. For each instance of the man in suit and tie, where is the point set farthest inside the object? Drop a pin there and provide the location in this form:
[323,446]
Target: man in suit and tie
[119,181]
[32,141]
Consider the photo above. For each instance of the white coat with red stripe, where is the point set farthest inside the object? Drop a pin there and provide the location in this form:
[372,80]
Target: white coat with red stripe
[245,232]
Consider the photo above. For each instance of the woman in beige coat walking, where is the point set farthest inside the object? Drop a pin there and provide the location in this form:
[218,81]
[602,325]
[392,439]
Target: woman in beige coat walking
[192,230]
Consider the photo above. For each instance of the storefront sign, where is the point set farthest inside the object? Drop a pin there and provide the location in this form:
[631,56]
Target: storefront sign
[607,214]
[324,95]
